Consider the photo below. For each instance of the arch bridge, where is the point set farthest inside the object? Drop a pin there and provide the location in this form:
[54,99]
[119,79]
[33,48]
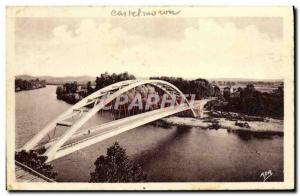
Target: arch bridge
[74,139]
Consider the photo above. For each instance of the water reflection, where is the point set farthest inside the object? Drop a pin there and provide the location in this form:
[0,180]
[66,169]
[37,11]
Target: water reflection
[248,135]
[183,128]
[151,154]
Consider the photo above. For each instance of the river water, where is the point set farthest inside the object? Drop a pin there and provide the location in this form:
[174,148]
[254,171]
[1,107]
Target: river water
[173,154]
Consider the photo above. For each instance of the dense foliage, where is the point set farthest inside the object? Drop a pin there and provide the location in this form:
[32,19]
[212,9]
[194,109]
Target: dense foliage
[72,92]
[116,167]
[21,85]
[106,79]
[36,161]
[252,102]
[200,87]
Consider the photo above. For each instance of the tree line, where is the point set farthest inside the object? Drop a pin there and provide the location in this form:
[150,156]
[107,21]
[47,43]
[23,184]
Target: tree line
[250,101]
[200,87]
[71,92]
[21,85]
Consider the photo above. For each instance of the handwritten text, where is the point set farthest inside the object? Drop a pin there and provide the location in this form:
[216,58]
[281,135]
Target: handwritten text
[144,13]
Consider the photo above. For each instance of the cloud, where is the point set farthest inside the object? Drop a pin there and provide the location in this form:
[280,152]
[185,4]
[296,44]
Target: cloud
[208,49]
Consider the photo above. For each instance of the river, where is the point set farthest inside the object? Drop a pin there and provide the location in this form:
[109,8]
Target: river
[173,154]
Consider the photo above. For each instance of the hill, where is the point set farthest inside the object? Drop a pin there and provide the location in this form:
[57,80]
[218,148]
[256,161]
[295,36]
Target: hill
[59,80]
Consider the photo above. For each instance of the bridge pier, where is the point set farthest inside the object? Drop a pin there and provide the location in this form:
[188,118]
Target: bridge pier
[199,107]
[199,112]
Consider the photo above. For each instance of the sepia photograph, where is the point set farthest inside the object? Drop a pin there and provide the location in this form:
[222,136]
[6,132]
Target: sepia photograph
[150,98]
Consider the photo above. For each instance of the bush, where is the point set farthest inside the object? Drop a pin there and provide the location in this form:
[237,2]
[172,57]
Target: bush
[36,161]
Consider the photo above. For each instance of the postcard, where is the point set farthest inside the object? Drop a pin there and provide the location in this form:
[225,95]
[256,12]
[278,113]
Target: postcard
[150,98]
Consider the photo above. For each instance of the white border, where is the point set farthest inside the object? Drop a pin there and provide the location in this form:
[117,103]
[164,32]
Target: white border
[104,2]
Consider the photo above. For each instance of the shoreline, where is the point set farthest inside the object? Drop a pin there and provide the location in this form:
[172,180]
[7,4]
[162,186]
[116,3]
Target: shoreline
[272,126]
[16,91]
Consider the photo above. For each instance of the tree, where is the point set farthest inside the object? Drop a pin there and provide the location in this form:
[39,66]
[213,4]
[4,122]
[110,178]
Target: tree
[116,167]
[19,84]
[59,92]
[74,87]
[89,87]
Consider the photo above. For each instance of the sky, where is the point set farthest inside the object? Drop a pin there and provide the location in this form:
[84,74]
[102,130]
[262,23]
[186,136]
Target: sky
[230,47]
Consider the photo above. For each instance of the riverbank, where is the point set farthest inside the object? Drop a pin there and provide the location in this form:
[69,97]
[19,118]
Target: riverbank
[29,89]
[271,126]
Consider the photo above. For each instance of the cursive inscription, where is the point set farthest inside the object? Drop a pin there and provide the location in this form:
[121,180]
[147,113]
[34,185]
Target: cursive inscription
[143,13]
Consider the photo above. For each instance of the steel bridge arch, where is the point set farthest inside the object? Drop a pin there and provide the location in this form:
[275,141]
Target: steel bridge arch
[117,89]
